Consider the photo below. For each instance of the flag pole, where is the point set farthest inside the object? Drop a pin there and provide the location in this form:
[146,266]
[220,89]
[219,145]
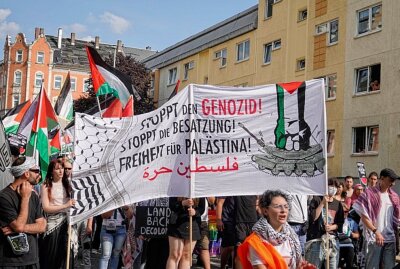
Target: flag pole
[69,244]
[38,120]
[98,103]
[192,173]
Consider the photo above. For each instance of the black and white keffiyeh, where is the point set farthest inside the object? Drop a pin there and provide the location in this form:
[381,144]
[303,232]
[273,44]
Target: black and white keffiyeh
[266,232]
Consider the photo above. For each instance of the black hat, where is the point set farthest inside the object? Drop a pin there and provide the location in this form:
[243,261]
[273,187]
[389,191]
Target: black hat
[387,172]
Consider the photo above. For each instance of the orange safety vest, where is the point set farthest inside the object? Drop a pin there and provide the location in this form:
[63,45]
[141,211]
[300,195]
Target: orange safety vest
[266,251]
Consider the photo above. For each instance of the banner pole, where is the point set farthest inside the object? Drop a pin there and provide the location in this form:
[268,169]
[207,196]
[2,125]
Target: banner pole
[327,250]
[192,172]
[69,245]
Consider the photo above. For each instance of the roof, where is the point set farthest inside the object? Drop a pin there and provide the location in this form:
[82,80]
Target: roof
[75,57]
[232,27]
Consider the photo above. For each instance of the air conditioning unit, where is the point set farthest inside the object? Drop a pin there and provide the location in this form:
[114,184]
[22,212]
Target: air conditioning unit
[150,93]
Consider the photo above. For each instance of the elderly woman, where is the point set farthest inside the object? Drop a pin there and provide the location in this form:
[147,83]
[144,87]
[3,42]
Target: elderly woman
[273,243]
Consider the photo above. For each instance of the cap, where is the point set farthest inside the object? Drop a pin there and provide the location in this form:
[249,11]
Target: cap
[387,172]
[357,186]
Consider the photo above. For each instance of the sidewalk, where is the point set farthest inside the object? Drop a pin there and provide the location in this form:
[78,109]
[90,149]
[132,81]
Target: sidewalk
[95,262]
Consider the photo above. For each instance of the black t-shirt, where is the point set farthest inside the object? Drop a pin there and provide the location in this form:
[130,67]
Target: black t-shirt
[245,209]
[228,209]
[336,216]
[10,203]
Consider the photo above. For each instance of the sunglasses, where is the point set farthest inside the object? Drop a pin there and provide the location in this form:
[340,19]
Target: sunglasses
[37,171]
[67,168]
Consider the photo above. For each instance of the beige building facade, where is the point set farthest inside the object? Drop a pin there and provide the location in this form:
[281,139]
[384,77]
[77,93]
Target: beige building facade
[350,44]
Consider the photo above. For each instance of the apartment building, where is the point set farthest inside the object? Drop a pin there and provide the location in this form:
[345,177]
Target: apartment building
[353,45]
[48,59]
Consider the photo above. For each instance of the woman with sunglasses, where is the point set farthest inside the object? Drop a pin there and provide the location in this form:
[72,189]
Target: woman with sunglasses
[273,243]
[56,201]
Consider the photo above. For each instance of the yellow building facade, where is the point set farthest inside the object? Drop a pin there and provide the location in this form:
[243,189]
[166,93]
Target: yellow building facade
[285,40]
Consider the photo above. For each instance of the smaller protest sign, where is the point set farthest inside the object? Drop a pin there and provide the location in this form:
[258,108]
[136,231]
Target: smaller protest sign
[152,218]
[361,173]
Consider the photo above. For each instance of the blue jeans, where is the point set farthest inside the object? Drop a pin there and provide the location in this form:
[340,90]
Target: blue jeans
[315,254]
[377,254]
[111,246]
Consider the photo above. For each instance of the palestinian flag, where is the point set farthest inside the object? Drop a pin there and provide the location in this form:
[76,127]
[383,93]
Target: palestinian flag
[108,80]
[128,111]
[115,109]
[55,144]
[25,126]
[64,104]
[44,128]
[292,131]
[14,116]
[175,90]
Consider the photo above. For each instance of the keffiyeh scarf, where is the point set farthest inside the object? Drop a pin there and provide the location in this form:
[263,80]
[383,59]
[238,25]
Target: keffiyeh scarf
[266,232]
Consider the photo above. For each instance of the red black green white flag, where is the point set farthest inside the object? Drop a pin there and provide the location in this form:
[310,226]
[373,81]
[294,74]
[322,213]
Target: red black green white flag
[44,128]
[14,116]
[108,80]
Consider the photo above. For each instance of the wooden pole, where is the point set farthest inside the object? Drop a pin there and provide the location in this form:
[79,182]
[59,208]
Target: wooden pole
[192,173]
[327,250]
[69,245]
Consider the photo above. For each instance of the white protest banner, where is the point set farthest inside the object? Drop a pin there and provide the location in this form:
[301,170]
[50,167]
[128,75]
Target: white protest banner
[206,141]
[5,159]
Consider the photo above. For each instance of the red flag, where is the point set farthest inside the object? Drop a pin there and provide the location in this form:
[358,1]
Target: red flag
[175,89]
[114,110]
[128,110]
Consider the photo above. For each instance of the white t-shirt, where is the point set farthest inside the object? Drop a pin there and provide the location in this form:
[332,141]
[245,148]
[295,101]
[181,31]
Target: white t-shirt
[284,249]
[58,194]
[385,218]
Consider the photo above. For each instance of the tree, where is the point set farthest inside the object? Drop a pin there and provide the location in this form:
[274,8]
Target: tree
[140,77]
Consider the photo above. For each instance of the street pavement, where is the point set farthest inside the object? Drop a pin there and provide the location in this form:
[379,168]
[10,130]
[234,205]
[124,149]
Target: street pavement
[95,262]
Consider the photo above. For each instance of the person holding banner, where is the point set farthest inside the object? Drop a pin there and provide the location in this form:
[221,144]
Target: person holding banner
[273,243]
[379,209]
[21,217]
[325,223]
[56,201]
[180,247]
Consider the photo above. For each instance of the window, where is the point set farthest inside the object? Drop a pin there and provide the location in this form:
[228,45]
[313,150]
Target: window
[302,16]
[57,82]
[300,64]
[38,80]
[17,78]
[330,137]
[331,28]
[267,53]
[16,99]
[18,57]
[187,67]
[366,139]
[40,57]
[330,86]
[333,32]
[276,44]
[268,7]
[172,76]
[221,54]
[243,50]
[369,19]
[73,84]
[368,79]
[86,83]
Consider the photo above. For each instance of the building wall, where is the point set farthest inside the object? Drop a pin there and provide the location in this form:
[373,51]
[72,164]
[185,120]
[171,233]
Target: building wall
[11,66]
[373,108]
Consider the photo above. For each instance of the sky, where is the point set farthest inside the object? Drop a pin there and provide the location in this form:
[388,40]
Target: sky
[138,23]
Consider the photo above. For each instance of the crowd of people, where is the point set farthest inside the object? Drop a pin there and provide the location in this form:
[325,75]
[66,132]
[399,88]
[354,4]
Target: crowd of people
[350,227]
